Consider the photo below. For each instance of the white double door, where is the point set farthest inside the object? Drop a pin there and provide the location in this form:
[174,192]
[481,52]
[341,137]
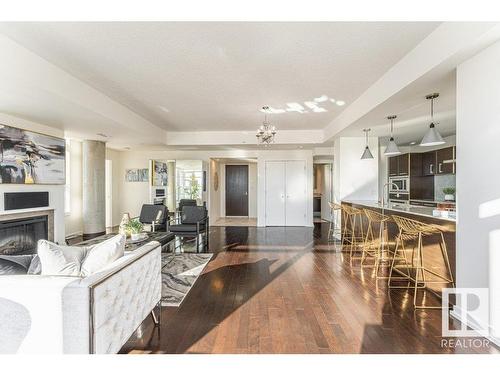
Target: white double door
[286,193]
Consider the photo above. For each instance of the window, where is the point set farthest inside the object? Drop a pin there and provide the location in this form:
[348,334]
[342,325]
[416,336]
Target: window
[67,187]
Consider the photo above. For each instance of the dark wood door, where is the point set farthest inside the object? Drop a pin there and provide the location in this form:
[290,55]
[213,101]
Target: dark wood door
[403,164]
[429,163]
[236,190]
[445,161]
[415,164]
[393,166]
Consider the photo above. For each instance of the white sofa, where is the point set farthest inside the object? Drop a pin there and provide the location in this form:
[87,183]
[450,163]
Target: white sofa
[65,314]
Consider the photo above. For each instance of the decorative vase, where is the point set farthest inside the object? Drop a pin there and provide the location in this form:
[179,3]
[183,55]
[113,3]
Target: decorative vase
[449,197]
[125,221]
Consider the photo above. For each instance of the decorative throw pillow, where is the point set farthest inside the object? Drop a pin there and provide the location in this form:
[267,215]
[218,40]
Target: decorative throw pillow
[60,260]
[14,264]
[103,254]
[79,261]
[35,266]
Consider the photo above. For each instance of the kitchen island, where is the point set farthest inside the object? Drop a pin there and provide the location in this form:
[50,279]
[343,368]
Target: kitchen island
[432,255]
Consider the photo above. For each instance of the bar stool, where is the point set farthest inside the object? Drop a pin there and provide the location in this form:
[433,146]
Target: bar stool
[353,227]
[416,230]
[334,228]
[376,246]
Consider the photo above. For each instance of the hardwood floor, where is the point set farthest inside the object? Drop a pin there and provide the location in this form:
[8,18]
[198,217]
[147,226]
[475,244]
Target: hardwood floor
[286,290]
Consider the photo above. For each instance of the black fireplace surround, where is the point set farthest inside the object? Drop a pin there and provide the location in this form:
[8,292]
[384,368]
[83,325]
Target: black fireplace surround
[20,236]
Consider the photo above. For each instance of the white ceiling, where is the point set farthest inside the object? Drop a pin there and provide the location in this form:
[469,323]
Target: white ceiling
[216,76]
[413,110]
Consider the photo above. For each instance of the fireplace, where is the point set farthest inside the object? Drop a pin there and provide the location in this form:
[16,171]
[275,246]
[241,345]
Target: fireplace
[20,236]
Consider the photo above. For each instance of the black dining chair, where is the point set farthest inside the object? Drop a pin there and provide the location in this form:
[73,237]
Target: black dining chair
[193,222]
[155,216]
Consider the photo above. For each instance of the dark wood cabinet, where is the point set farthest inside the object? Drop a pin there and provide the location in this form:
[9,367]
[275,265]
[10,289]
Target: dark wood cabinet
[403,164]
[445,160]
[393,166]
[429,163]
[415,164]
[399,165]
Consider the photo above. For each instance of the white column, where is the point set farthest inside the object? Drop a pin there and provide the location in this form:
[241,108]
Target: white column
[94,200]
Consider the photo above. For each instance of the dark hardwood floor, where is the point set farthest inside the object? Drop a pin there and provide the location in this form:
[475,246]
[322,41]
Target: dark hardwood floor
[286,290]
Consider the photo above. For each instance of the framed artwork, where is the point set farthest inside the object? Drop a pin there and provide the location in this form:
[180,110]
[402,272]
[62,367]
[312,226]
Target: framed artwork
[136,175]
[159,173]
[28,157]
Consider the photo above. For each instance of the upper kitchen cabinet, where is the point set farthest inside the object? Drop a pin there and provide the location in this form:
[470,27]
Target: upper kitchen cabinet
[403,164]
[399,165]
[429,163]
[445,160]
[393,166]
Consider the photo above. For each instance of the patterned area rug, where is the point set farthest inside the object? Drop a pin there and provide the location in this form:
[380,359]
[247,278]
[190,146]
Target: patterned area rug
[179,273]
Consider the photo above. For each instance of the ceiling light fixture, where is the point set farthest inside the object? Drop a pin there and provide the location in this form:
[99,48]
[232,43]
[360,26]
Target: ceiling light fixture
[266,132]
[367,154]
[432,137]
[392,147]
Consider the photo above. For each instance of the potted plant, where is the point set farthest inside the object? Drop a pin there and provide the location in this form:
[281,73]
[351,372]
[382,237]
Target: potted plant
[134,227]
[449,193]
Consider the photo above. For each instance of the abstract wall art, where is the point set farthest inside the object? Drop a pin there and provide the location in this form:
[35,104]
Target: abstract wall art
[136,175]
[27,157]
[159,173]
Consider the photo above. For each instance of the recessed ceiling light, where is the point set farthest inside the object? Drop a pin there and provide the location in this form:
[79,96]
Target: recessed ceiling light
[340,102]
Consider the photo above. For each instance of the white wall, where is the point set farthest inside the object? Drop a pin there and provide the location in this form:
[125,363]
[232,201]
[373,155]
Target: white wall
[214,197]
[354,178]
[264,156]
[478,180]
[56,192]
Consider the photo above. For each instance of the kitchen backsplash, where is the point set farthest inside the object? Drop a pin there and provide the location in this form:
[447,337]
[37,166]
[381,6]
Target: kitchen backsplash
[441,182]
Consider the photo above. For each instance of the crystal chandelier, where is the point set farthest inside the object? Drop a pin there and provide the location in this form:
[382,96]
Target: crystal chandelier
[266,132]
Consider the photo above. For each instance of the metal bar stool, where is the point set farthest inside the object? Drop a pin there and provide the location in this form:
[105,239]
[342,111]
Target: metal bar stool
[334,228]
[376,246]
[416,271]
[353,232]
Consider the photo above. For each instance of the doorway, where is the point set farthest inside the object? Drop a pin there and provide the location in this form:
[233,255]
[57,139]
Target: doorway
[236,190]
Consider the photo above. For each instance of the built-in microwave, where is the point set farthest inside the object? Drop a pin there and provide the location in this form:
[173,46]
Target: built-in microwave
[403,184]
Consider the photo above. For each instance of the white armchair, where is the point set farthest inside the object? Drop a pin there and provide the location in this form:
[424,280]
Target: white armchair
[96,314]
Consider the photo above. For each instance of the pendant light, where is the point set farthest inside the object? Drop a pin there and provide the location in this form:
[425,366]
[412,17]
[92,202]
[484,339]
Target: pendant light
[367,154]
[432,137]
[392,147]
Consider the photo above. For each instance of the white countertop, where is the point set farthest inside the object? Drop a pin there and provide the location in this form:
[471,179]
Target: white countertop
[408,209]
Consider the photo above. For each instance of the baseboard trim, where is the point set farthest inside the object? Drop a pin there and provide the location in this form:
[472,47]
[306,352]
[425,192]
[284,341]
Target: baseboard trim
[73,235]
